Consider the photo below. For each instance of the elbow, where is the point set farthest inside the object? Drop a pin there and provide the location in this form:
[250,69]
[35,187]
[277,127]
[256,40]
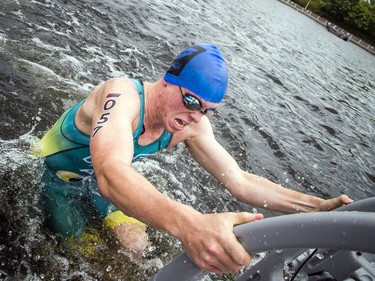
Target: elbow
[110,178]
[103,179]
[236,190]
[237,193]
[238,187]
[103,185]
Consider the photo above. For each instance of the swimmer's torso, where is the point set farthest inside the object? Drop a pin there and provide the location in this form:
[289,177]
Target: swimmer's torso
[67,149]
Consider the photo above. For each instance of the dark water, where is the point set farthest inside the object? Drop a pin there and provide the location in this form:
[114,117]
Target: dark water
[299,111]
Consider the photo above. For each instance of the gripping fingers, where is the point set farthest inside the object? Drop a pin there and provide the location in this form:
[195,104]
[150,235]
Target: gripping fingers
[334,203]
[238,253]
[227,256]
[228,253]
[216,248]
[221,264]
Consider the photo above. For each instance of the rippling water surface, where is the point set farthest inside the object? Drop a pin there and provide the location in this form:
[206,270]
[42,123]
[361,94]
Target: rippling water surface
[299,111]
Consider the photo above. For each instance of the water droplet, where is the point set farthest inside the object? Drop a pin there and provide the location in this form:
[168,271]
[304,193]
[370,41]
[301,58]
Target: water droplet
[151,248]
[319,256]
[279,251]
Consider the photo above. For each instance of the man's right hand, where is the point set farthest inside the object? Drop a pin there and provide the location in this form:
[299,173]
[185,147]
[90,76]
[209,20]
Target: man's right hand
[211,244]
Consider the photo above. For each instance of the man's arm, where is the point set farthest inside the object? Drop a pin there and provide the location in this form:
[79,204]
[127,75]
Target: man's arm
[248,187]
[208,239]
[112,151]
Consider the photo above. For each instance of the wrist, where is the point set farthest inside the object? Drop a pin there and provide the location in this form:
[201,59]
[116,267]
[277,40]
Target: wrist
[183,220]
[311,204]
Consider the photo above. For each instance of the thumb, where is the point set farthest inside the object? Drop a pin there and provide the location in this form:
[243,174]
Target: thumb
[345,199]
[244,217]
[336,202]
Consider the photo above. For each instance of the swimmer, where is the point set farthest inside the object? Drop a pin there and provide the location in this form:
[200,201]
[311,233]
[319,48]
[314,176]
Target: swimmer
[124,120]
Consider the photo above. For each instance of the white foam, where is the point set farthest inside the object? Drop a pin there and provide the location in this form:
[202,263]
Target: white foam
[41,70]
[3,38]
[51,48]
[38,66]
[15,153]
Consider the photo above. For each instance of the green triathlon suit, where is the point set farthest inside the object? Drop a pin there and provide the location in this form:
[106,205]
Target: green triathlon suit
[67,155]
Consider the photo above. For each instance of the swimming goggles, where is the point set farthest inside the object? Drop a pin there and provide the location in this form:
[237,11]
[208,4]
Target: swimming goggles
[192,103]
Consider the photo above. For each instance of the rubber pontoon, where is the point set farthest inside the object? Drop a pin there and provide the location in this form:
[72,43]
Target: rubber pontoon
[337,245]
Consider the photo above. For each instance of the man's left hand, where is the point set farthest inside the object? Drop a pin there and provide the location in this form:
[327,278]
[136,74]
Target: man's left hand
[331,204]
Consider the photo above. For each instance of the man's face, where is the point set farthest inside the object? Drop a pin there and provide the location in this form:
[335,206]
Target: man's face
[184,108]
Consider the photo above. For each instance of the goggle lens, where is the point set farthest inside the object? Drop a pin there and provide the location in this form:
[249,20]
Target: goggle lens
[192,103]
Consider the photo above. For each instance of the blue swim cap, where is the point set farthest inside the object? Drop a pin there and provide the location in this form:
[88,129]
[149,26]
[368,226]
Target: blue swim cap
[201,70]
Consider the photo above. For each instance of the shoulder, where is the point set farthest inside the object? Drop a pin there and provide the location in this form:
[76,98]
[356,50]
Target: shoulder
[121,89]
[119,85]
[116,97]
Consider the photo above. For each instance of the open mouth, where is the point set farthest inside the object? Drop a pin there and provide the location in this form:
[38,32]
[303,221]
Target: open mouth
[180,122]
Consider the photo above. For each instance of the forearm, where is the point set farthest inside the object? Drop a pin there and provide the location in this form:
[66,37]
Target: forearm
[260,192]
[137,197]
[249,188]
